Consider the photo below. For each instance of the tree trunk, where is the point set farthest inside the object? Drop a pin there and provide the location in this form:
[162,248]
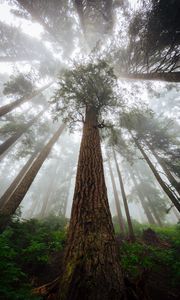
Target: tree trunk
[142,200]
[155,213]
[49,190]
[18,178]
[9,107]
[117,201]
[129,222]
[17,196]
[91,262]
[168,174]
[170,77]
[158,177]
[6,146]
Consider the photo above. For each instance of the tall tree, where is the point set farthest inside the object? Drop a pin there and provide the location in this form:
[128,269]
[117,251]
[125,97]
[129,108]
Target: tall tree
[117,201]
[91,254]
[166,189]
[9,107]
[6,146]
[19,192]
[129,222]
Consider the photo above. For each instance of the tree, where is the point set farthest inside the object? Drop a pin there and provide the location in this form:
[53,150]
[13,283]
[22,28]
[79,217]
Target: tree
[20,190]
[4,147]
[130,226]
[117,201]
[29,96]
[17,46]
[91,237]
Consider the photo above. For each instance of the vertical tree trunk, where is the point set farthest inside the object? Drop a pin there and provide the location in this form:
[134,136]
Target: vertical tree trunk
[158,177]
[9,107]
[91,263]
[49,190]
[6,146]
[117,201]
[17,196]
[129,222]
[142,200]
[155,213]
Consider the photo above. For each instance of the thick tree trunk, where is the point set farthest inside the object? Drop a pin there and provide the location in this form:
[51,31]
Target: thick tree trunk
[6,146]
[129,222]
[117,201]
[170,77]
[142,200]
[91,263]
[17,196]
[9,107]
[171,196]
[18,178]
[168,174]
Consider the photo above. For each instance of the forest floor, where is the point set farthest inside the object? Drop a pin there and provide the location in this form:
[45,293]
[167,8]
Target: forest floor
[31,256]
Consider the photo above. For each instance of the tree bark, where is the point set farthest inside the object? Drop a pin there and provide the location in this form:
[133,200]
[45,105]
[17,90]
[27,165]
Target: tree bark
[157,176]
[6,146]
[91,262]
[17,196]
[129,222]
[142,200]
[9,107]
[117,201]
[169,77]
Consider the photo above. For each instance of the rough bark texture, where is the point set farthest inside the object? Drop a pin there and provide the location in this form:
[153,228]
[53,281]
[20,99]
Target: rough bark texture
[170,77]
[91,262]
[158,177]
[142,200]
[117,201]
[17,196]
[9,107]
[130,227]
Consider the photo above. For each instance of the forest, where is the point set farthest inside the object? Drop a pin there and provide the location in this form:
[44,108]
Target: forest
[89,149]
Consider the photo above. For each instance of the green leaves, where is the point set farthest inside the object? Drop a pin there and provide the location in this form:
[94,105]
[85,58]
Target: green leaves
[93,85]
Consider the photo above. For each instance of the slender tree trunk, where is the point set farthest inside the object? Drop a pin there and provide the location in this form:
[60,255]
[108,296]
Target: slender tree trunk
[52,180]
[117,201]
[158,177]
[6,146]
[170,77]
[17,196]
[142,200]
[18,178]
[129,222]
[91,263]
[155,213]
[9,107]
[168,174]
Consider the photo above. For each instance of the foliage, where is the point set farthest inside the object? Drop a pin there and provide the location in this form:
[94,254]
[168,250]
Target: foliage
[138,257]
[20,85]
[25,250]
[88,85]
